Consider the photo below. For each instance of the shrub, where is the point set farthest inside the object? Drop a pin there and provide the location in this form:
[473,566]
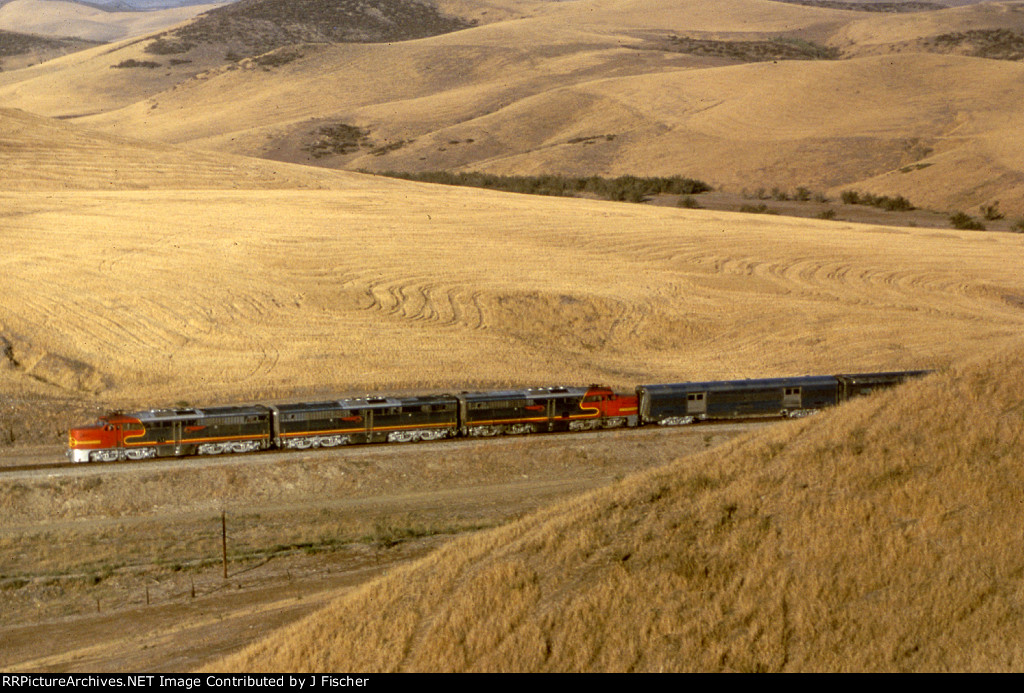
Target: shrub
[168,46]
[991,212]
[623,188]
[277,58]
[776,48]
[892,204]
[339,138]
[997,44]
[965,222]
[757,209]
[131,62]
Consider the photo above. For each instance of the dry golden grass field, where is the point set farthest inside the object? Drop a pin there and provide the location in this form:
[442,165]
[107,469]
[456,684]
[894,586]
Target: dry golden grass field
[150,297]
[880,536]
[601,87]
[169,236]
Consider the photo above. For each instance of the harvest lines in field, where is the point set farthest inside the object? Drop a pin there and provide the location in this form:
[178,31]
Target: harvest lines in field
[364,287]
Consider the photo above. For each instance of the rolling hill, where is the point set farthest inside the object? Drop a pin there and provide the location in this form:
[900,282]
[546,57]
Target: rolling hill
[643,88]
[18,50]
[41,153]
[67,19]
[253,27]
[880,536]
[150,277]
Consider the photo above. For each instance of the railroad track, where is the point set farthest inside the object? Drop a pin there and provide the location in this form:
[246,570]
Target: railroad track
[43,459]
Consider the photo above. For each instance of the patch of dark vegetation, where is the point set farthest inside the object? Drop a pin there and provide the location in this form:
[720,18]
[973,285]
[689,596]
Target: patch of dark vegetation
[914,167]
[801,194]
[387,148]
[13,583]
[592,139]
[757,209]
[277,58]
[995,44]
[16,43]
[991,212]
[622,189]
[891,204]
[780,48]
[965,222]
[249,28]
[339,138]
[131,62]
[869,6]
[167,45]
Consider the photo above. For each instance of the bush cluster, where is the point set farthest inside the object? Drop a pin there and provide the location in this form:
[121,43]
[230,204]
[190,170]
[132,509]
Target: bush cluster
[15,43]
[277,58]
[995,44]
[906,6]
[801,194]
[131,62]
[965,222]
[757,209]
[164,45]
[991,212]
[339,138]
[780,48]
[892,204]
[623,188]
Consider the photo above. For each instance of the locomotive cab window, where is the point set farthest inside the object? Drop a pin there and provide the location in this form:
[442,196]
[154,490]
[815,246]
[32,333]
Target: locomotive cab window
[695,397]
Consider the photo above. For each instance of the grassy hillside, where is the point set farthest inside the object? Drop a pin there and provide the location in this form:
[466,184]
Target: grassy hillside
[124,297]
[251,27]
[20,49]
[650,89]
[881,536]
[40,153]
[826,125]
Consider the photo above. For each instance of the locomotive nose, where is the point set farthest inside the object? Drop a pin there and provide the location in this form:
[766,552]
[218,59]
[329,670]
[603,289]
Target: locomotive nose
[82,440]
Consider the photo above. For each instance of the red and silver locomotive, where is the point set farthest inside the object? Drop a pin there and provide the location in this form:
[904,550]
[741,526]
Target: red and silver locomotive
[210,431]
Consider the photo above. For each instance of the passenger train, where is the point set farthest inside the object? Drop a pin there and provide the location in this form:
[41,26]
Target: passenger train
[402,419]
